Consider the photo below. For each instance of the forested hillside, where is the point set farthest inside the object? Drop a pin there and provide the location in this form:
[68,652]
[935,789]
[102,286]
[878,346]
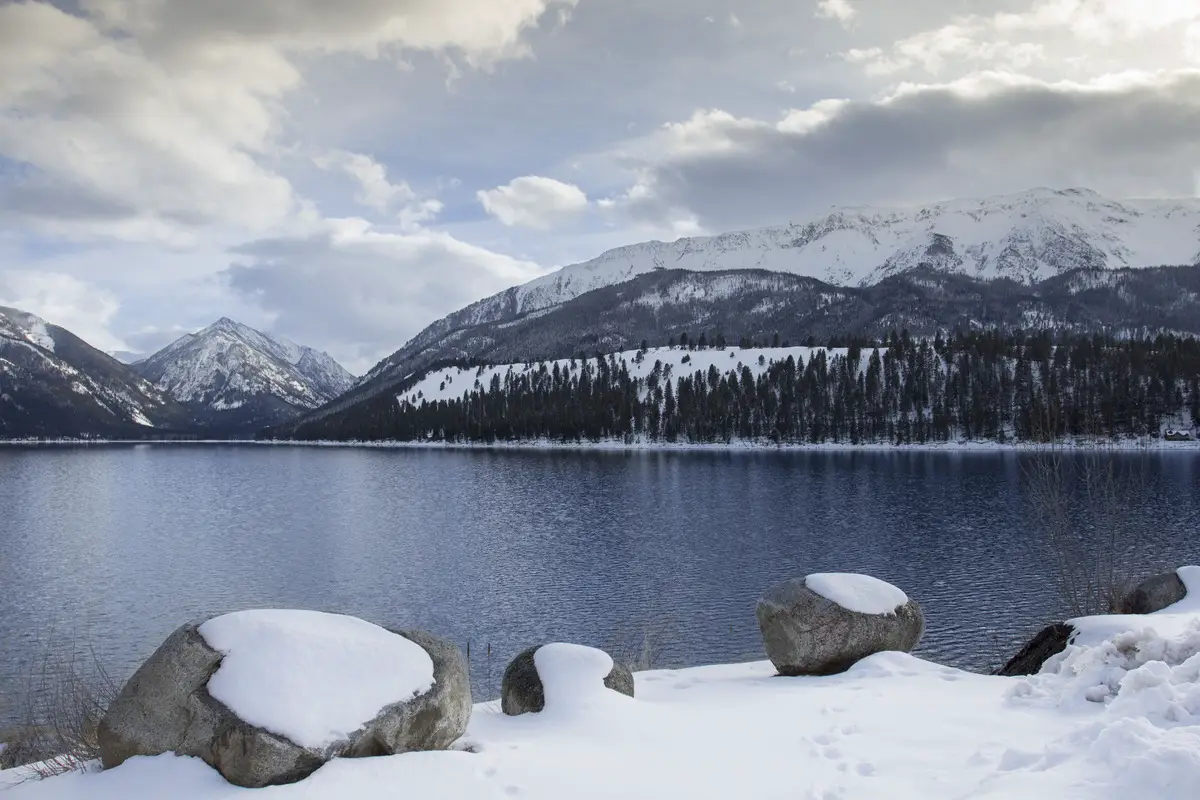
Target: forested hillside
[663,304]
[977,386]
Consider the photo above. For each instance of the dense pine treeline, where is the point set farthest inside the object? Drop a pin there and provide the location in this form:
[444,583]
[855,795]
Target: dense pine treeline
[980,386]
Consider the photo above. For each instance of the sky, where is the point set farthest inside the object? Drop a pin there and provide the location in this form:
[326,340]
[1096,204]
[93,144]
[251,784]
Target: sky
[343,174]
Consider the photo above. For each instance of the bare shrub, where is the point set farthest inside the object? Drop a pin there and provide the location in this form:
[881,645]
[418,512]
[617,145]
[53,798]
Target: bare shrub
[64,700]
[641,646]
[1083,504]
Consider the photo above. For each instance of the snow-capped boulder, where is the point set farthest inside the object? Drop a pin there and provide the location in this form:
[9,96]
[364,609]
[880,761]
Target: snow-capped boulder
[1153,594]
[559,674]
[825,623]
[266,697]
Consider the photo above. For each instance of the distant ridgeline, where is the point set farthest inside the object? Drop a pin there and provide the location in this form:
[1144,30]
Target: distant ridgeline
[978,386]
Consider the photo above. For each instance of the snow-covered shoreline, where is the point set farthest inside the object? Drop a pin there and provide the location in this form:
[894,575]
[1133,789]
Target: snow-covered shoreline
[1116,714]
[1084,445]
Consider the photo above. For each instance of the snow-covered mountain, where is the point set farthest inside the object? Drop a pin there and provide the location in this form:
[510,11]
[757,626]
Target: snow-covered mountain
[746,306]
[1026,237]
[53,384]
[236,377]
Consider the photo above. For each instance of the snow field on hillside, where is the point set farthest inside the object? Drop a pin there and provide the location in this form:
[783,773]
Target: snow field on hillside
[450,383]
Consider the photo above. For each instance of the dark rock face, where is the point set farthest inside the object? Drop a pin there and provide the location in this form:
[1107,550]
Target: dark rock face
[166,707]
[1049,642]
[521,690]
[1151,595]
[807,634]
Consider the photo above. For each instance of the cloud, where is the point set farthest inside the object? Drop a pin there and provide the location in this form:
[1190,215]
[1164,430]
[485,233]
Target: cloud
[150,120]
[1099,21]
[361,291]
[478,30]
[148,341]
[65,301]
[1062,33]
[375,190]
[956,43]
[839,10]
[140,139]
[114,144]
[533,202]
[1130,134]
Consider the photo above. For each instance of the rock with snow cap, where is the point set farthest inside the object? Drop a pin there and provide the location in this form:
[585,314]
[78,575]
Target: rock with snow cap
[523,689]
[824,623]
[267,697]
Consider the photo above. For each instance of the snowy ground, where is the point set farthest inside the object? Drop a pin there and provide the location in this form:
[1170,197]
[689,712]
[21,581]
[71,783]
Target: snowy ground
[1117,716]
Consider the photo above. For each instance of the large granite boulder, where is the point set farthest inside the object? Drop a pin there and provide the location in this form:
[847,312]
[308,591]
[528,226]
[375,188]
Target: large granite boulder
[823,624]
[267,697]
[523,690]
[1151,595]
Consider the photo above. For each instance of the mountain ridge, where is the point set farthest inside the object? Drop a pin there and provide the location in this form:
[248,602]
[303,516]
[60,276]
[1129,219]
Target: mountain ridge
[1026,236]
[238,378]
[759,305]
[54,384]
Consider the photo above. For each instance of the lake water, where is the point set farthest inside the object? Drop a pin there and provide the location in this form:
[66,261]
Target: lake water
[109,548]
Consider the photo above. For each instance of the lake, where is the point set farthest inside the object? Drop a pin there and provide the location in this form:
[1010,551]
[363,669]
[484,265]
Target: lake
[109,548]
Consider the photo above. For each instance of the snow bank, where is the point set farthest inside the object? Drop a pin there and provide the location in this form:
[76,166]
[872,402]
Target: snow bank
[1137,694]
[1170,622]
[853,592]
[309,676]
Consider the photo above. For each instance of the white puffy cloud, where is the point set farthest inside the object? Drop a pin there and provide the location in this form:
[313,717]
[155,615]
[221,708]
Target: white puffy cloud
[375,190]
[839,10]
[1063,35]
[363,291]
[478,30]
[152,119]
[65,301]
[533,202]
[1100,21]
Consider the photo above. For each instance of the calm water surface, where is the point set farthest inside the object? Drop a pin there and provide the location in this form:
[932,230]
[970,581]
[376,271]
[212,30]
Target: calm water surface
[110,548]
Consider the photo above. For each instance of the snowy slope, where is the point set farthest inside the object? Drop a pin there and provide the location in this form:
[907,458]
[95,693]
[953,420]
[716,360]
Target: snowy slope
[54,384]
[229,366]
[450,383]
[1112,718]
